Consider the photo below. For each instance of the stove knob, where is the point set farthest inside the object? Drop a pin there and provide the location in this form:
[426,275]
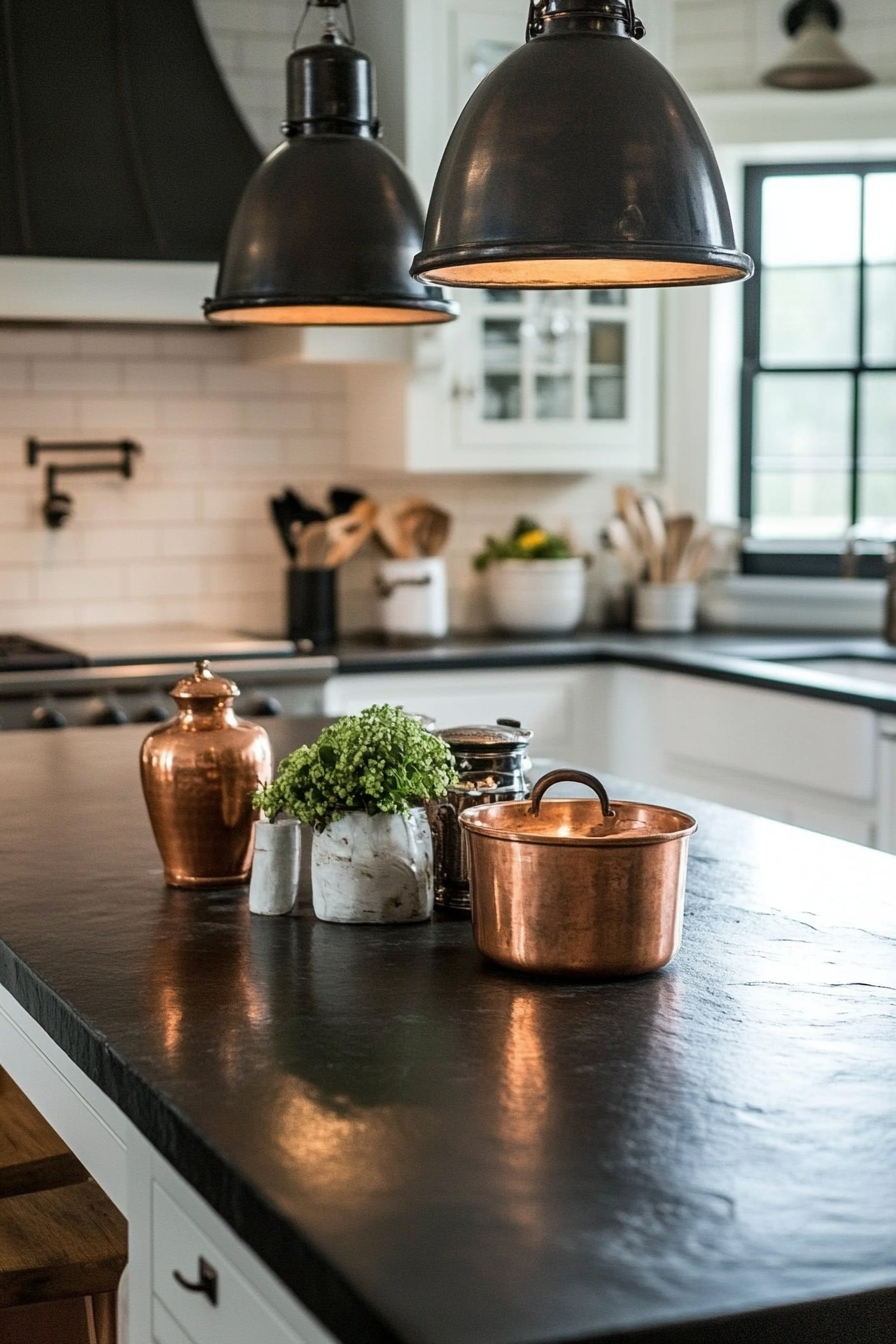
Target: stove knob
[109,714]
[265,707]
[46,717]
[154,714]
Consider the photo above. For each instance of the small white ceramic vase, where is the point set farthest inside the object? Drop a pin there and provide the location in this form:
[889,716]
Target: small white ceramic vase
[413,597]
[669,607]
[373,870]
[538,596]
[274,884]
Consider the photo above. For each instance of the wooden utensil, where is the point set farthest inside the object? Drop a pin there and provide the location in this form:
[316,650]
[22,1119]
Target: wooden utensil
[629,510]
[656,536]
[622,544]
[412,527]
[696,559]
[347,532]
[430,527]
[679,531]
[313,546]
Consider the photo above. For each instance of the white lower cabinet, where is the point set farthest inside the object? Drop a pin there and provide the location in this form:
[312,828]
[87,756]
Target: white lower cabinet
[809,762]
[564,706]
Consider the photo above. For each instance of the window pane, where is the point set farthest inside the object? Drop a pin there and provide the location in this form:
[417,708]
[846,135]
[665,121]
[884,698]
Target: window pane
[880,314]
[607,298]
[880,217]
[802,457]
[811,221]
[606,344]
[502,344]
[502,295]
[502,399]
[553,398]
[555,342]
[877,452]
[606,397]
[810,315]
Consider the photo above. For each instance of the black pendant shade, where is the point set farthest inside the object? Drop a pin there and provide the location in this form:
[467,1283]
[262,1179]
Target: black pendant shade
[328,225]
[579,162]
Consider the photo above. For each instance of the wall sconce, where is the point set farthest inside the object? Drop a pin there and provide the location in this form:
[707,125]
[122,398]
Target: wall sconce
[815,58]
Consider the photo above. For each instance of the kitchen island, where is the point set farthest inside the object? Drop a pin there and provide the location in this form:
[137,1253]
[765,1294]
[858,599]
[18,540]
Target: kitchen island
[422,1149]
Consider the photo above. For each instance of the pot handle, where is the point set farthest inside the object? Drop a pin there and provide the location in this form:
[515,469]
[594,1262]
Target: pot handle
[571,777]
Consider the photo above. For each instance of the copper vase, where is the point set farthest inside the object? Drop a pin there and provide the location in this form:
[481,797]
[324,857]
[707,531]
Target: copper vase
[199,772]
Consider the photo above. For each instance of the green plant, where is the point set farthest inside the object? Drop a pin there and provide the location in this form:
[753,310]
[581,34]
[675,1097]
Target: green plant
[527,541]
[380,760]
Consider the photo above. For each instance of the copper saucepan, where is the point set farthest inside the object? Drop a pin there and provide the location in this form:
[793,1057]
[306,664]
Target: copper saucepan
[577,886]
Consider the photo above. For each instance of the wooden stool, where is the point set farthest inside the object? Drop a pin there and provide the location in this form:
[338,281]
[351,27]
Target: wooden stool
[63,1243]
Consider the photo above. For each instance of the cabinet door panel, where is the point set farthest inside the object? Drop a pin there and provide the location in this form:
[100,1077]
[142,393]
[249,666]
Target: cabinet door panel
[816,744]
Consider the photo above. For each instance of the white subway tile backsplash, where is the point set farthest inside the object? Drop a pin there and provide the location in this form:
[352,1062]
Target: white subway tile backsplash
[79,583]
[279,415]
[76,375]
[41,416]
[115,417]
[183,579]
[15,585]
[166,377]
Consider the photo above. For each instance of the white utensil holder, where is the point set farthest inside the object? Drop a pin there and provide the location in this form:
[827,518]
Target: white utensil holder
[413,597]
[668,607]
[274,884]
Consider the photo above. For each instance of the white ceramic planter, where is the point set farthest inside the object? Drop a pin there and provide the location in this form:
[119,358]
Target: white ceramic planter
[274,884]
[373,870]
[666,606]
[413,597]
[539,596]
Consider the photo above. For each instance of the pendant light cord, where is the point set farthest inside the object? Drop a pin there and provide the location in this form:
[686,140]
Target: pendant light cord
[537,9]
[331,22]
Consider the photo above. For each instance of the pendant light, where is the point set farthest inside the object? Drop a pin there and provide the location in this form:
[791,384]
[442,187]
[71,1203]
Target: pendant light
[329,223]
[579,163]
[815,58]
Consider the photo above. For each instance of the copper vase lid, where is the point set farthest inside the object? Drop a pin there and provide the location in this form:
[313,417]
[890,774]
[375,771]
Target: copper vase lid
[199,772]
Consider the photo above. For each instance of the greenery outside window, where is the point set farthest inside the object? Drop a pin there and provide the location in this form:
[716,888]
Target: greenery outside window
[818,415]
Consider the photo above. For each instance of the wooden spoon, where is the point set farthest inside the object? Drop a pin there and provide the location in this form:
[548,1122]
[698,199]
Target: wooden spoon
[656,534]
[347,532]
[623,546]
[313,546]
[679,531]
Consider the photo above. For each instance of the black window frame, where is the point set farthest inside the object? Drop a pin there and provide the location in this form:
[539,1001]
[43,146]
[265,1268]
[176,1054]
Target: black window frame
[784,557]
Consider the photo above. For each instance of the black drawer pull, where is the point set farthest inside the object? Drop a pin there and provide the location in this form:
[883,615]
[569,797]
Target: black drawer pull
[207,1283]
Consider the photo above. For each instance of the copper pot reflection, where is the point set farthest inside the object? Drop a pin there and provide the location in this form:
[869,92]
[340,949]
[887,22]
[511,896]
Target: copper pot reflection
[199,772]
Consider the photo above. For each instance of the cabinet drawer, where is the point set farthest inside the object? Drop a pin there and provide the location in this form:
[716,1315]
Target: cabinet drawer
[240,1315]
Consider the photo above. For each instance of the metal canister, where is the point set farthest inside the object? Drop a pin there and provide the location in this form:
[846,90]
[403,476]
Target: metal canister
[491,759]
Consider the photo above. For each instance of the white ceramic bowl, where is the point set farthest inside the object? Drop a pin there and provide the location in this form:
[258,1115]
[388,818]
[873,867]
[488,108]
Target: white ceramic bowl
[537,596]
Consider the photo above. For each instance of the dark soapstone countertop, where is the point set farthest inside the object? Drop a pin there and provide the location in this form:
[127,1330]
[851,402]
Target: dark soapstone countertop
[746,659]
[428,1150]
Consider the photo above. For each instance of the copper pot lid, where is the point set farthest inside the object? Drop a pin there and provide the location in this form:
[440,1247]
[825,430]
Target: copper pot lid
[579,822]
[204,685]
[474,737]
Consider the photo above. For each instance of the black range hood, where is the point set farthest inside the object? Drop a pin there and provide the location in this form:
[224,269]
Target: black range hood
[118,139]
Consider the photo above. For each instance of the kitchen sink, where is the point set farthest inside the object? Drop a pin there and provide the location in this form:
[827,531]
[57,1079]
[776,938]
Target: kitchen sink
[866,669]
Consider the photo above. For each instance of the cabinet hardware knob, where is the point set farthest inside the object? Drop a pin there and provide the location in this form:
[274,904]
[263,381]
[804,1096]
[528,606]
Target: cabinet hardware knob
[207,1282]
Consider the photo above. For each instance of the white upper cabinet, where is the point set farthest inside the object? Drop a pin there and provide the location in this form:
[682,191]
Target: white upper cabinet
[524,381]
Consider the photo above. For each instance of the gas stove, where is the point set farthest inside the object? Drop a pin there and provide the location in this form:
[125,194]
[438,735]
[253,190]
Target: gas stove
[19,653]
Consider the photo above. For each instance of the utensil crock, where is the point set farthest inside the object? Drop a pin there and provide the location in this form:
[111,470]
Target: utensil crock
[574,886]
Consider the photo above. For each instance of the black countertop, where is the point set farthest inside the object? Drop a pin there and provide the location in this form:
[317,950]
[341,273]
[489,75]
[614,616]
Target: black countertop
[432,1151]
[750,660]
